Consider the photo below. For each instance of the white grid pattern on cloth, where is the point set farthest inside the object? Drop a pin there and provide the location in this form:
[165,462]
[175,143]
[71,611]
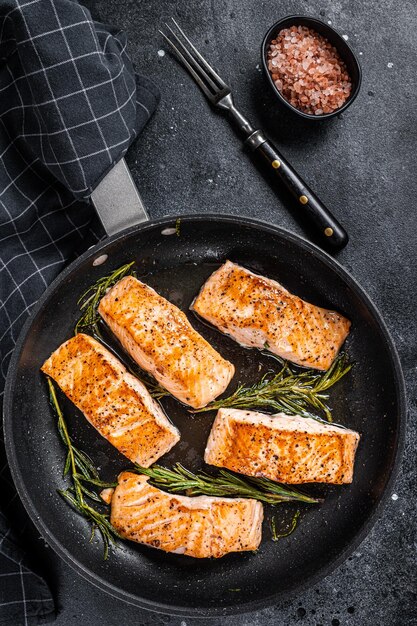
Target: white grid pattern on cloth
[79,52]
[24,599]
[70,105]
[41,225]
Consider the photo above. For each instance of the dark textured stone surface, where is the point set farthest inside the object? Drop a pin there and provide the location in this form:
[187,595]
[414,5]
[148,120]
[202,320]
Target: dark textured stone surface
[363,166]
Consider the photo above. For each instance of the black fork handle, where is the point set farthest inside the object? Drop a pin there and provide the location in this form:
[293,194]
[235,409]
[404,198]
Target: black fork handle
[326,227]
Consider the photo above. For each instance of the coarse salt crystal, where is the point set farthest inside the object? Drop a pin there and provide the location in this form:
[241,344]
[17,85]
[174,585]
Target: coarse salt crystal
[100,260]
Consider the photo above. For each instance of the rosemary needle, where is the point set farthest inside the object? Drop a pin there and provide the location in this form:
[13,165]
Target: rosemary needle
[292,527]
[81,470]
[224,484]
[294,393]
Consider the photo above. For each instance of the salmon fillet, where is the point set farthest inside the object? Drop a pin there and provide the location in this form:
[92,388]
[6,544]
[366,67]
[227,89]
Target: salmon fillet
[116,403]
[200,526]
[288,449]
[259,313]
[159,337]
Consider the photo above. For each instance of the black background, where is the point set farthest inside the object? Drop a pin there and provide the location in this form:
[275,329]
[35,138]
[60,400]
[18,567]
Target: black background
[362,164]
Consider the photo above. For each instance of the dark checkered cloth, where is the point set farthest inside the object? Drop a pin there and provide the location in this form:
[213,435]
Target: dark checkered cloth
[70,105]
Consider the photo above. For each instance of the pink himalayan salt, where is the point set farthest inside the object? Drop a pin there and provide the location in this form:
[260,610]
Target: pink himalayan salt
[308,71]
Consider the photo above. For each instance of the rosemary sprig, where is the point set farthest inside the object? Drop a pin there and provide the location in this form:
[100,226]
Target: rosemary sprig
[224,484]
[292,527]
[90,299]
[292,392]
[81,470]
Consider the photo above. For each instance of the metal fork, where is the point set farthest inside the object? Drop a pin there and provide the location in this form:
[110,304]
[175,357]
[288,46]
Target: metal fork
[327,229]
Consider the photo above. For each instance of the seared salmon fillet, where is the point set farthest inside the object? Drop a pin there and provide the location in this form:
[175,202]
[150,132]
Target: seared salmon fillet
[285,448]
[116,403]
[200,526]
[260,313]
[159,337]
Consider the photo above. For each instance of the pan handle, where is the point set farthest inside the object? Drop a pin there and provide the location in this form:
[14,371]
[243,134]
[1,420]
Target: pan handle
[117,200]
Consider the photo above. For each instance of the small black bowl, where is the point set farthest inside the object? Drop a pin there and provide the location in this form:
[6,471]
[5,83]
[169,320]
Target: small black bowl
[345,51]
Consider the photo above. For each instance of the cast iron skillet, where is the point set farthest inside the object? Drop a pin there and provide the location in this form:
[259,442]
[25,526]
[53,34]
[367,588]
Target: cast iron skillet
[370,400]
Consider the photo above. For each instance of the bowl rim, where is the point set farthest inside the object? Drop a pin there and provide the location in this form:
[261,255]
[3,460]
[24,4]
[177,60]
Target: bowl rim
[313,20]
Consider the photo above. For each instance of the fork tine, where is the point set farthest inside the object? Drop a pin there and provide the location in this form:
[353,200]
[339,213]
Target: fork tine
[189,67]
[192,61]
[206,65]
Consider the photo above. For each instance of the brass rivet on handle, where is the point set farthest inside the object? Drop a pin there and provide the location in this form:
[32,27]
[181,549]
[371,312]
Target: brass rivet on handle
[276,164]
[328,231]
[303,199]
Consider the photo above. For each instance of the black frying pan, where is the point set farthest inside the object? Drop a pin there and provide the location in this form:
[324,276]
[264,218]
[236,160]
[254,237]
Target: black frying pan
[370,400]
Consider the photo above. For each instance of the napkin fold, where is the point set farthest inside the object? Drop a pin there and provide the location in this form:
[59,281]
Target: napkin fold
[70,106]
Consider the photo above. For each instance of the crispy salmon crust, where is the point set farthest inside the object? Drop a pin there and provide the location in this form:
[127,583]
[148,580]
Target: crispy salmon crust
[288,449]
[259,313]
[159,337]
[116,403]
[199,526]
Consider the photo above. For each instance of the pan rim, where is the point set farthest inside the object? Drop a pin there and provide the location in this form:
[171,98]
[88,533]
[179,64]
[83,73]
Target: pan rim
[240,607]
